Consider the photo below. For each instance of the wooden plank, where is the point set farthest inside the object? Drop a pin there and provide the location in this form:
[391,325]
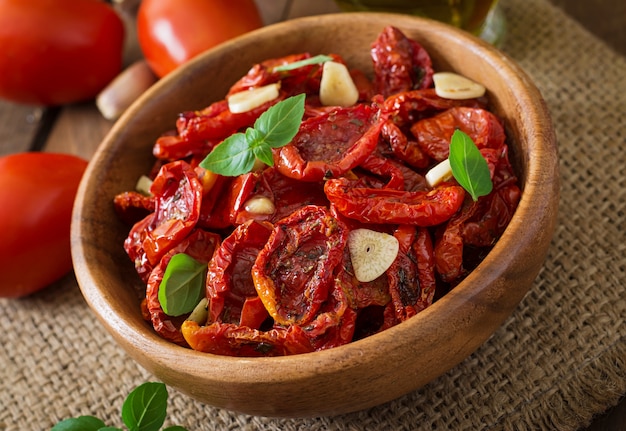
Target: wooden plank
[18,126]
[79,129]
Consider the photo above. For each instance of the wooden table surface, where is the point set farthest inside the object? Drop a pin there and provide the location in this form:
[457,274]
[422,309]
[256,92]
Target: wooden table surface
[79,128]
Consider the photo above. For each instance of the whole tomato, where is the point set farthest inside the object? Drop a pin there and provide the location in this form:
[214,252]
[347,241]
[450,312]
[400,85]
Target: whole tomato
[171,32]
[56,52]
[37,192]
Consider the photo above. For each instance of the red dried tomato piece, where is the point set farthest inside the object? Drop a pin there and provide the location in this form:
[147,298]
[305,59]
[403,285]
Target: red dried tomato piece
[229,280]
[403,148]
[330,144]
[217,122]
[400,64]
[132,207]
[334,324]
[294,271]
[406,108]
[449,245]
[286,194]
[372,205]
[233,340]
[411,276]
[177,194]
[172,147]
[434,133]
[200,245]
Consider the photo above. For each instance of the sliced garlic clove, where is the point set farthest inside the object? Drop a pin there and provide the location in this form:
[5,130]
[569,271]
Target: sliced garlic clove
[200,313]
[143,185]
[260,205]
[336,86]
[439,173]
[247,100]
[372,253]
[453,86]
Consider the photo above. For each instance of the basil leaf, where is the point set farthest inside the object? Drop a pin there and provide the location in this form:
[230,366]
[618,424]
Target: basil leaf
[281,122]
[468,165]
[306,62]
[175,428]
[182,285]
[264,154]
[275,128]
[145,407]
[231,157]
[81,423]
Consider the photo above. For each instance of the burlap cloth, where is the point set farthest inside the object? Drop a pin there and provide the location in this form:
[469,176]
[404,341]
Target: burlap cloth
[558,360]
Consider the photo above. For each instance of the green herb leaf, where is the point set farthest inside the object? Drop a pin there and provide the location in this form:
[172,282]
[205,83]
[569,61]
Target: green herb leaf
[468,165]
[231,157]
[81,423]
[306,62]
[182,286]
[145,407]
[275,128]
[281,122]
[175,428]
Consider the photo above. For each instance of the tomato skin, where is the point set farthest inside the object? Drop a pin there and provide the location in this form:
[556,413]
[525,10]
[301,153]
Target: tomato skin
[37,192]
[55,54]
[171,32]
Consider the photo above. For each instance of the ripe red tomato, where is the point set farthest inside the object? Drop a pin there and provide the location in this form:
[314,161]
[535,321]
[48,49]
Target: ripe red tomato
[171,32]
[37,192]
[58,52]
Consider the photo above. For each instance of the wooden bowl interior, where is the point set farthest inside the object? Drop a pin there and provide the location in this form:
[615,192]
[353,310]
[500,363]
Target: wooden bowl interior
[367,372]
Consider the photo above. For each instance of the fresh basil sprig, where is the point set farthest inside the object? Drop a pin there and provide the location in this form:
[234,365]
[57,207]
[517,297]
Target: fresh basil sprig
[182,285]
[275,128]
[145,409]
[306,62]
[468,165]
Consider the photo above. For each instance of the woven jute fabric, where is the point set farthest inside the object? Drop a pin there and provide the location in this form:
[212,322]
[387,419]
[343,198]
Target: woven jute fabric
[559,359]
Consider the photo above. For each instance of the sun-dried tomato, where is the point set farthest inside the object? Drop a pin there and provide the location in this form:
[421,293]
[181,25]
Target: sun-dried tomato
[400,64]
[372,205]
[330,144]
[229,339]
[177,194]
[434,133]
[133,206]
[294,271]
[411,276]
[229,280]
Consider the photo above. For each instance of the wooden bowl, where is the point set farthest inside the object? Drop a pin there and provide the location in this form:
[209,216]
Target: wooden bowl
[367,372]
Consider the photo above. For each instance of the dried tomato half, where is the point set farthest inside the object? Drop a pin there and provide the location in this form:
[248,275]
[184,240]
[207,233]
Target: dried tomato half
[434,133]
[177,195]
[411,276]
[294,271]
[375,205]
[330,144]
[400,64]
[233,340]
[229,280]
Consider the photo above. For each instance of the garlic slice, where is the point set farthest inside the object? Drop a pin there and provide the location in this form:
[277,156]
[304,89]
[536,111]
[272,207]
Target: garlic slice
[143,185]
[260,205]
[247,100]
[453,86]
[372,253]
[439,173]
[200,313]
[336,86]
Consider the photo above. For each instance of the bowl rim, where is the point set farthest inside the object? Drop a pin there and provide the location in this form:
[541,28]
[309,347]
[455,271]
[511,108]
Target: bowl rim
[161,354]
